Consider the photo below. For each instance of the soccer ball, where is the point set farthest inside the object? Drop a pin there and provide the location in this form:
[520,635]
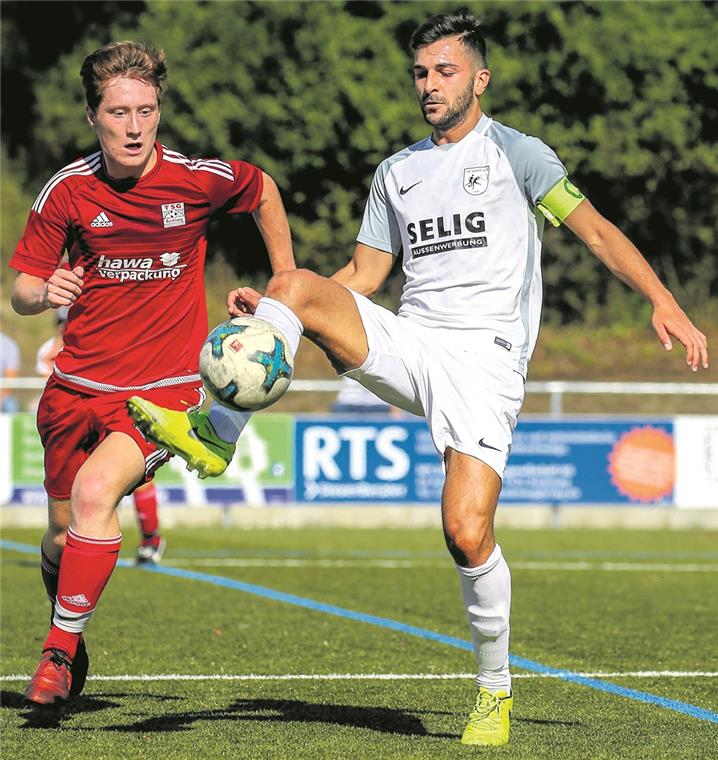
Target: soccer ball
[246,364]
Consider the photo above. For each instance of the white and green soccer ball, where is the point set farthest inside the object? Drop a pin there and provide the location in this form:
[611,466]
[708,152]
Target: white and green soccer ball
[246,364]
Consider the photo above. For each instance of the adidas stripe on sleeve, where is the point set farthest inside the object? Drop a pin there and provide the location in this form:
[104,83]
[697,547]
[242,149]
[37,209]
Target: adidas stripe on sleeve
[233,186]
[46,234]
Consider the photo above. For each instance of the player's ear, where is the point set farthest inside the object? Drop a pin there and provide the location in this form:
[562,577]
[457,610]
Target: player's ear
[90,114]
[481,81]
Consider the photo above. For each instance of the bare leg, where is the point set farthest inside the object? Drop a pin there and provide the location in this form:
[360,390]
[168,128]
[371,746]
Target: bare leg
[58,521]
[471,493]
[114,467]
[93,537]
[327,311]
[86,547]
[469,502]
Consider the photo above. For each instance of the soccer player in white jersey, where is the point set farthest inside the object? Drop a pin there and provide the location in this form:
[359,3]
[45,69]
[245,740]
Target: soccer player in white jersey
[465,208]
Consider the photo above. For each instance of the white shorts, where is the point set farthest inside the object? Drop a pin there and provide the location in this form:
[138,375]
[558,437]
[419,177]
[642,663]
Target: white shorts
[471,400]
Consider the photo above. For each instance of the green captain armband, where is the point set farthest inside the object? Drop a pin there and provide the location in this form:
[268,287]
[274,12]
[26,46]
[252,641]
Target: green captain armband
[560,201]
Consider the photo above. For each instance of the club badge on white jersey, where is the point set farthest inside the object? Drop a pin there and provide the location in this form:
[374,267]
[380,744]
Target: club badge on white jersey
[464,217]
[476,180]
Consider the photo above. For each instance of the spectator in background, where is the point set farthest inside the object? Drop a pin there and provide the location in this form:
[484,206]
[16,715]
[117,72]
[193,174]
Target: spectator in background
[45,359]
[9,368]
[152,544]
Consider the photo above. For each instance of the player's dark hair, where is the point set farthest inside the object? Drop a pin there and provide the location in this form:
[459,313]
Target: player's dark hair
[465,26]
[123,59]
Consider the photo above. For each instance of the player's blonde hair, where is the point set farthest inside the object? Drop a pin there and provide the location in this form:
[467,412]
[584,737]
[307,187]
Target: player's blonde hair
[137,60]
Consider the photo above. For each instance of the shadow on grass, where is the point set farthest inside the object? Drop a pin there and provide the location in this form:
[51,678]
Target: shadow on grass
[32,563]
[38,716]
[51,717]
[384,719]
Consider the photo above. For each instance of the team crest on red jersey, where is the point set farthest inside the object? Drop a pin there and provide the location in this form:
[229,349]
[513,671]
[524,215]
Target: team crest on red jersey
[173,215]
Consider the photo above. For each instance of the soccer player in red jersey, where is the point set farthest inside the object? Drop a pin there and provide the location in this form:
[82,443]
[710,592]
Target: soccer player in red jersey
[152,544]
[133,218]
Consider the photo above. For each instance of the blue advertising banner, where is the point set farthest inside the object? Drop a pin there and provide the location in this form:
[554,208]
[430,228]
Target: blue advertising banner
[376,458]
[578,461]
[366,460]
[591,461]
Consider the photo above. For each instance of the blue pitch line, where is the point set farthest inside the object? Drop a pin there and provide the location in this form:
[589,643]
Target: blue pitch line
[394,625]
[30,549]
[425,633]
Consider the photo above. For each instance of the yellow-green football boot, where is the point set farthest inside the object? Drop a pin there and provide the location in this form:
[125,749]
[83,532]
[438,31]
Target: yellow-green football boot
[189,435]
[489,722]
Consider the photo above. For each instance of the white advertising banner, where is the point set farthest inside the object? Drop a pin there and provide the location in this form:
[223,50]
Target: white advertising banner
[696,462]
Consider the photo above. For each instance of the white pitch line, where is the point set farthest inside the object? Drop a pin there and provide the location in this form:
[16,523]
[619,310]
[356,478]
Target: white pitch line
[655,567]
[388,563]
[375,676]
[664,567]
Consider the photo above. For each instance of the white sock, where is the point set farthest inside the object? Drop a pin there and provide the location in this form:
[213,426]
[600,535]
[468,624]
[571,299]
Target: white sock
[283,318]
[487,597]
[228,423]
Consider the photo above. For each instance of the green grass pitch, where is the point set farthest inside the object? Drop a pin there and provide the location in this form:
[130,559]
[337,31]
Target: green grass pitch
[283,681]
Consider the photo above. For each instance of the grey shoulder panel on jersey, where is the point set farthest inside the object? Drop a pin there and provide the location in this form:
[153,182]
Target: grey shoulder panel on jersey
[404,153]
[536,167]
[379,228]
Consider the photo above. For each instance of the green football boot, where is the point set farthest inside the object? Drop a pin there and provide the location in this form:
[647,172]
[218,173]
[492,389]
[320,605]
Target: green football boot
[489,722]
[189,435]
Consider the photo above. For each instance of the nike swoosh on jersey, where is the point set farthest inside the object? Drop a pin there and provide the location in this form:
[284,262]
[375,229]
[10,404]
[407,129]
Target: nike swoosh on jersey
[486,445]
[405,190]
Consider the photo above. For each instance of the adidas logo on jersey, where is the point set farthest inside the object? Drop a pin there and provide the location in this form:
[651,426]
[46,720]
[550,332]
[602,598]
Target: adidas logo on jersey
[101,220]
[79,600]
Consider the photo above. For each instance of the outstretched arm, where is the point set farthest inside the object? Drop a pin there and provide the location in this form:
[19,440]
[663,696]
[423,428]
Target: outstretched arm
[272,222]
[274,227]
[619,254]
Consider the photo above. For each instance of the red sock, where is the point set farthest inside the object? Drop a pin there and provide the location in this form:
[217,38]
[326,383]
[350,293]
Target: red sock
[146,507]
[86,566]
[49,572]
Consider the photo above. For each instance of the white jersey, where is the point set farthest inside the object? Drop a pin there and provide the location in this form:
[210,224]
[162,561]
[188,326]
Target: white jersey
[465,216]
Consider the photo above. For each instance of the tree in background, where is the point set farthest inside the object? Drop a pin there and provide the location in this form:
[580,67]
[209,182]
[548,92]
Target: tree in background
[317,94]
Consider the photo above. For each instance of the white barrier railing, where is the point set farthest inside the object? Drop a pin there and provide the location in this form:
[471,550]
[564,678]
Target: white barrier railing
[556,389]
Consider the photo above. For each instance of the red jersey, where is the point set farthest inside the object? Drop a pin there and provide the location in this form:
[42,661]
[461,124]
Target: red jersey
[142,316]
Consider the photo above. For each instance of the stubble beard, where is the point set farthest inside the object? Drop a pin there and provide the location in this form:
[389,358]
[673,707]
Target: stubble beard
[455,114]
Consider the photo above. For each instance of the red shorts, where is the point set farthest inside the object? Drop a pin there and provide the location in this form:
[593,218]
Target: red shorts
[72,424]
